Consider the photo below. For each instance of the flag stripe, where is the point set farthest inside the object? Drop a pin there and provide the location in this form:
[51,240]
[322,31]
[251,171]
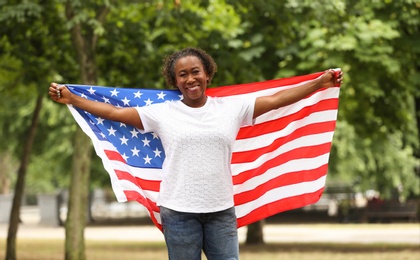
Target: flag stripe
[258,86]
[306,152]
[277,125]
[281,180]
[252,155]
[278,206]
[280,163]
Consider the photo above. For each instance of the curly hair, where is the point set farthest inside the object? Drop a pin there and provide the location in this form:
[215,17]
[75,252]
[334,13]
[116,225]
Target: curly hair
[168,68]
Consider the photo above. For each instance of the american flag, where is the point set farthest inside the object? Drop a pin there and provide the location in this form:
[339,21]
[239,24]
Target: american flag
[278,164]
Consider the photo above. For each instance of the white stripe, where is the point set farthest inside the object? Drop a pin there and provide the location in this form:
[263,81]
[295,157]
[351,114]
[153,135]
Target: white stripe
[297,106]
[152,174]
[290,166]
[157,216]
[280,193]
[269,91]
[304,141]
[264,140]
[129,186]
[329,93]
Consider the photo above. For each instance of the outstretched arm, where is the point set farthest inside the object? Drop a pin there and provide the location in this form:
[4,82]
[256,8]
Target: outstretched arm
[61,94]
[290,96]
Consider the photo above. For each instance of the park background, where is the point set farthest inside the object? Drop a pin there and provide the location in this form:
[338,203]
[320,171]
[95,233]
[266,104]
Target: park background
[375,149]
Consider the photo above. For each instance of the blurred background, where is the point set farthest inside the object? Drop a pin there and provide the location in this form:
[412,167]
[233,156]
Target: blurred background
[374,170]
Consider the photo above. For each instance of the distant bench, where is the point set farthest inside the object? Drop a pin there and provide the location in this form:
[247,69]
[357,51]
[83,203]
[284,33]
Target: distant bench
[388,210]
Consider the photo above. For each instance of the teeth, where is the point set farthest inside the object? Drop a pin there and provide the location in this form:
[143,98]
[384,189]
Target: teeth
[193,88]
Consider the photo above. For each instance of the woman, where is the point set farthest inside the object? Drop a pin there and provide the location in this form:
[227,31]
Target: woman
[196,193]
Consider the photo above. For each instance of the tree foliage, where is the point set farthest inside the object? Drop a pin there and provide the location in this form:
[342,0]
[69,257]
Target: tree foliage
[374,42]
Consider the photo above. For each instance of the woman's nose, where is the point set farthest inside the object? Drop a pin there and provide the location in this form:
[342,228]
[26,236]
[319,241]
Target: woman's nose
[190,78]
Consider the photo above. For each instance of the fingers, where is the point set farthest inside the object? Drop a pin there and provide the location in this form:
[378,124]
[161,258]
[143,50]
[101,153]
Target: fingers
[55,91]
[339,78]
[336,75]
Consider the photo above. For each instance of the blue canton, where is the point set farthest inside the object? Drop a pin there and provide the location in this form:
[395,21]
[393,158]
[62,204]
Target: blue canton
[138,149]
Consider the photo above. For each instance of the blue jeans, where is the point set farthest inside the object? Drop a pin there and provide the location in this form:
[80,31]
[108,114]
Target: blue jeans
[186,234]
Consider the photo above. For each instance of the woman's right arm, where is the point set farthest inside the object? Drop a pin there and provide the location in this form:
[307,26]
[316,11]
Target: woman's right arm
[129,115]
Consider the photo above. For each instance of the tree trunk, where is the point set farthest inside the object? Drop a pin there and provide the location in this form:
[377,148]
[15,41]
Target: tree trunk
[5,171]
[84,41]
[20,183]
[417,116]
[78,198]
[254,234]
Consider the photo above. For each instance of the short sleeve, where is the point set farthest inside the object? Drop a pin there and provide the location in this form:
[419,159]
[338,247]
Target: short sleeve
[150,116]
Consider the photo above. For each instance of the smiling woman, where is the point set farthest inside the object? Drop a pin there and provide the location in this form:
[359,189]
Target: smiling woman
[191,71]
[195,198]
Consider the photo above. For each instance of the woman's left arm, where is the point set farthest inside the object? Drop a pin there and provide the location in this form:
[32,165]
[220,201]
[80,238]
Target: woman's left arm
[290,96]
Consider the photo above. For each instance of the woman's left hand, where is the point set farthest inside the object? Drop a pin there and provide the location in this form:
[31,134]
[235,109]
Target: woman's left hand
[331,78]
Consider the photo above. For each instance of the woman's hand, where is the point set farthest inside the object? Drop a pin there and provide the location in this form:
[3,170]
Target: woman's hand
[59,93]
[331,78]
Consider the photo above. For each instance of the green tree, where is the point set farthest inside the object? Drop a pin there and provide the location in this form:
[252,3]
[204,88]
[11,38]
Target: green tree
[24,44]
[375,43]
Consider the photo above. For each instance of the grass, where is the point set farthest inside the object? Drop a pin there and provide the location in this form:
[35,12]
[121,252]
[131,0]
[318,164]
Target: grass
[28,249]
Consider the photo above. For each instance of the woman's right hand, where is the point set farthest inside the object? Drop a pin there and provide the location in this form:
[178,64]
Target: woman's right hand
[59,93]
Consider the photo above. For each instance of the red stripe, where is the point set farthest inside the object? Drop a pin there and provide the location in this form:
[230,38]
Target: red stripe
[114,156]
[149,204]
[258,86]
[252,155]
[281,181]
[298,153]
[279,124]
[151,185]
[278,206]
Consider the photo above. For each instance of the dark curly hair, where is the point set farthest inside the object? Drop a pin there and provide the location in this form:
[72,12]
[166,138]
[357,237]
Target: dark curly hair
[168,68]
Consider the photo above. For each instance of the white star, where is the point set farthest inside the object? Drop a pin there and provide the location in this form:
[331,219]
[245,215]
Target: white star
[100,121]
[155,136]
[134,133]
[147,159]
[124,141]
[126,101]
[111,131]
[123,125]
[125,157]
[161,95]
[84,96]
[135,151]
[181,96]
[114,92]
[106,100]
[138,94]
[103,135]
[148,102]
[118,105]
[146,142]
[157,152]
[91,91]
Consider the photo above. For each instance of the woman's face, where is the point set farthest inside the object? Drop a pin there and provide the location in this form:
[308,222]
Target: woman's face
[191,80]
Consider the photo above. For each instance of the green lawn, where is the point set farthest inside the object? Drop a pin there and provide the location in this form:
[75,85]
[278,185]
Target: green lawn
[104,250]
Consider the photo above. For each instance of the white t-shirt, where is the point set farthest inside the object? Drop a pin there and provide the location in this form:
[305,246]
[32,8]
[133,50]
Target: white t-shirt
[198,146]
